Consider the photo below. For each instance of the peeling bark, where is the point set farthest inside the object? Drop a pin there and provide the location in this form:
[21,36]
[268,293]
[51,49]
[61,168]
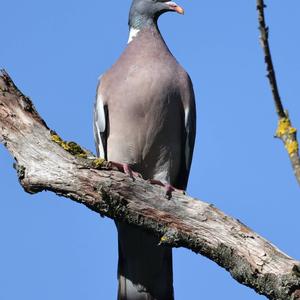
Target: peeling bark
[43,164]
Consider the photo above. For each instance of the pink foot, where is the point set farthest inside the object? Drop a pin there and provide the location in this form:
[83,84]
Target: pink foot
[126,169]
[168,187]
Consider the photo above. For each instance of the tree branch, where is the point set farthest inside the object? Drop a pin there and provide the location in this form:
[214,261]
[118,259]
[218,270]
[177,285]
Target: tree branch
[285,131]
[45,162]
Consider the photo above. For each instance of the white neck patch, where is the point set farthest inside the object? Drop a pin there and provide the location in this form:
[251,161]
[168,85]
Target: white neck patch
[132,34]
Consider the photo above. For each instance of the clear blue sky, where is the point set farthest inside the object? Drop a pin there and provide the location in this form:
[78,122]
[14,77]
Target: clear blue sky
[52,248]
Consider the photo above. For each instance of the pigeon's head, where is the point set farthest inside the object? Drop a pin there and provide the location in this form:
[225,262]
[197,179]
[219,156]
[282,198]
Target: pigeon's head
[145,12]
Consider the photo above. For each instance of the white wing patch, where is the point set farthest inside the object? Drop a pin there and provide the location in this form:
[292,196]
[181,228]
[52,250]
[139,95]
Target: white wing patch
[100,123]
[186,116]
[187,143]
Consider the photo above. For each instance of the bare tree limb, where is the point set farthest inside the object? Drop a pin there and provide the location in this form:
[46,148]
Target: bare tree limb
[45,162]
[285,131]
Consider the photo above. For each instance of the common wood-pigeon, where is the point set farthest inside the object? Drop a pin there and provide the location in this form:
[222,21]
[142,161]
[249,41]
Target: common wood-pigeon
[144,119]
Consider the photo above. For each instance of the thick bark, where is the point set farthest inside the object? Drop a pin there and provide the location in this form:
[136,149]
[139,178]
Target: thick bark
[44,162]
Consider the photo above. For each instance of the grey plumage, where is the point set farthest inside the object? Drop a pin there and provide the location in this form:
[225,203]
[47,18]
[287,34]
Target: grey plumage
[145,116]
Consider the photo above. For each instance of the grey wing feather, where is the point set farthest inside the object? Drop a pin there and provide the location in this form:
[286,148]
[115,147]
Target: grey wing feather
[189,136]
[100,124]
[190,131]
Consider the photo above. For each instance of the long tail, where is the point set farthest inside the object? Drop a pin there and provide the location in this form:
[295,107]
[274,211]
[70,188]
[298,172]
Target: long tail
[144,269]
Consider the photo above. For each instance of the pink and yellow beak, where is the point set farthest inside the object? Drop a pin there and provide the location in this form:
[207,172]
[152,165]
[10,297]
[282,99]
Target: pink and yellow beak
[174,6]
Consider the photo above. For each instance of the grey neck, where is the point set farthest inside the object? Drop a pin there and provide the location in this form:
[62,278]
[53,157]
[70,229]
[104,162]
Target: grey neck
[139,22]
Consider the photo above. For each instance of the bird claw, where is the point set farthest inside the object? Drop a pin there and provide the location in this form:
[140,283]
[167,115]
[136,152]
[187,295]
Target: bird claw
[168,187]
[125,168]
[169,190]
